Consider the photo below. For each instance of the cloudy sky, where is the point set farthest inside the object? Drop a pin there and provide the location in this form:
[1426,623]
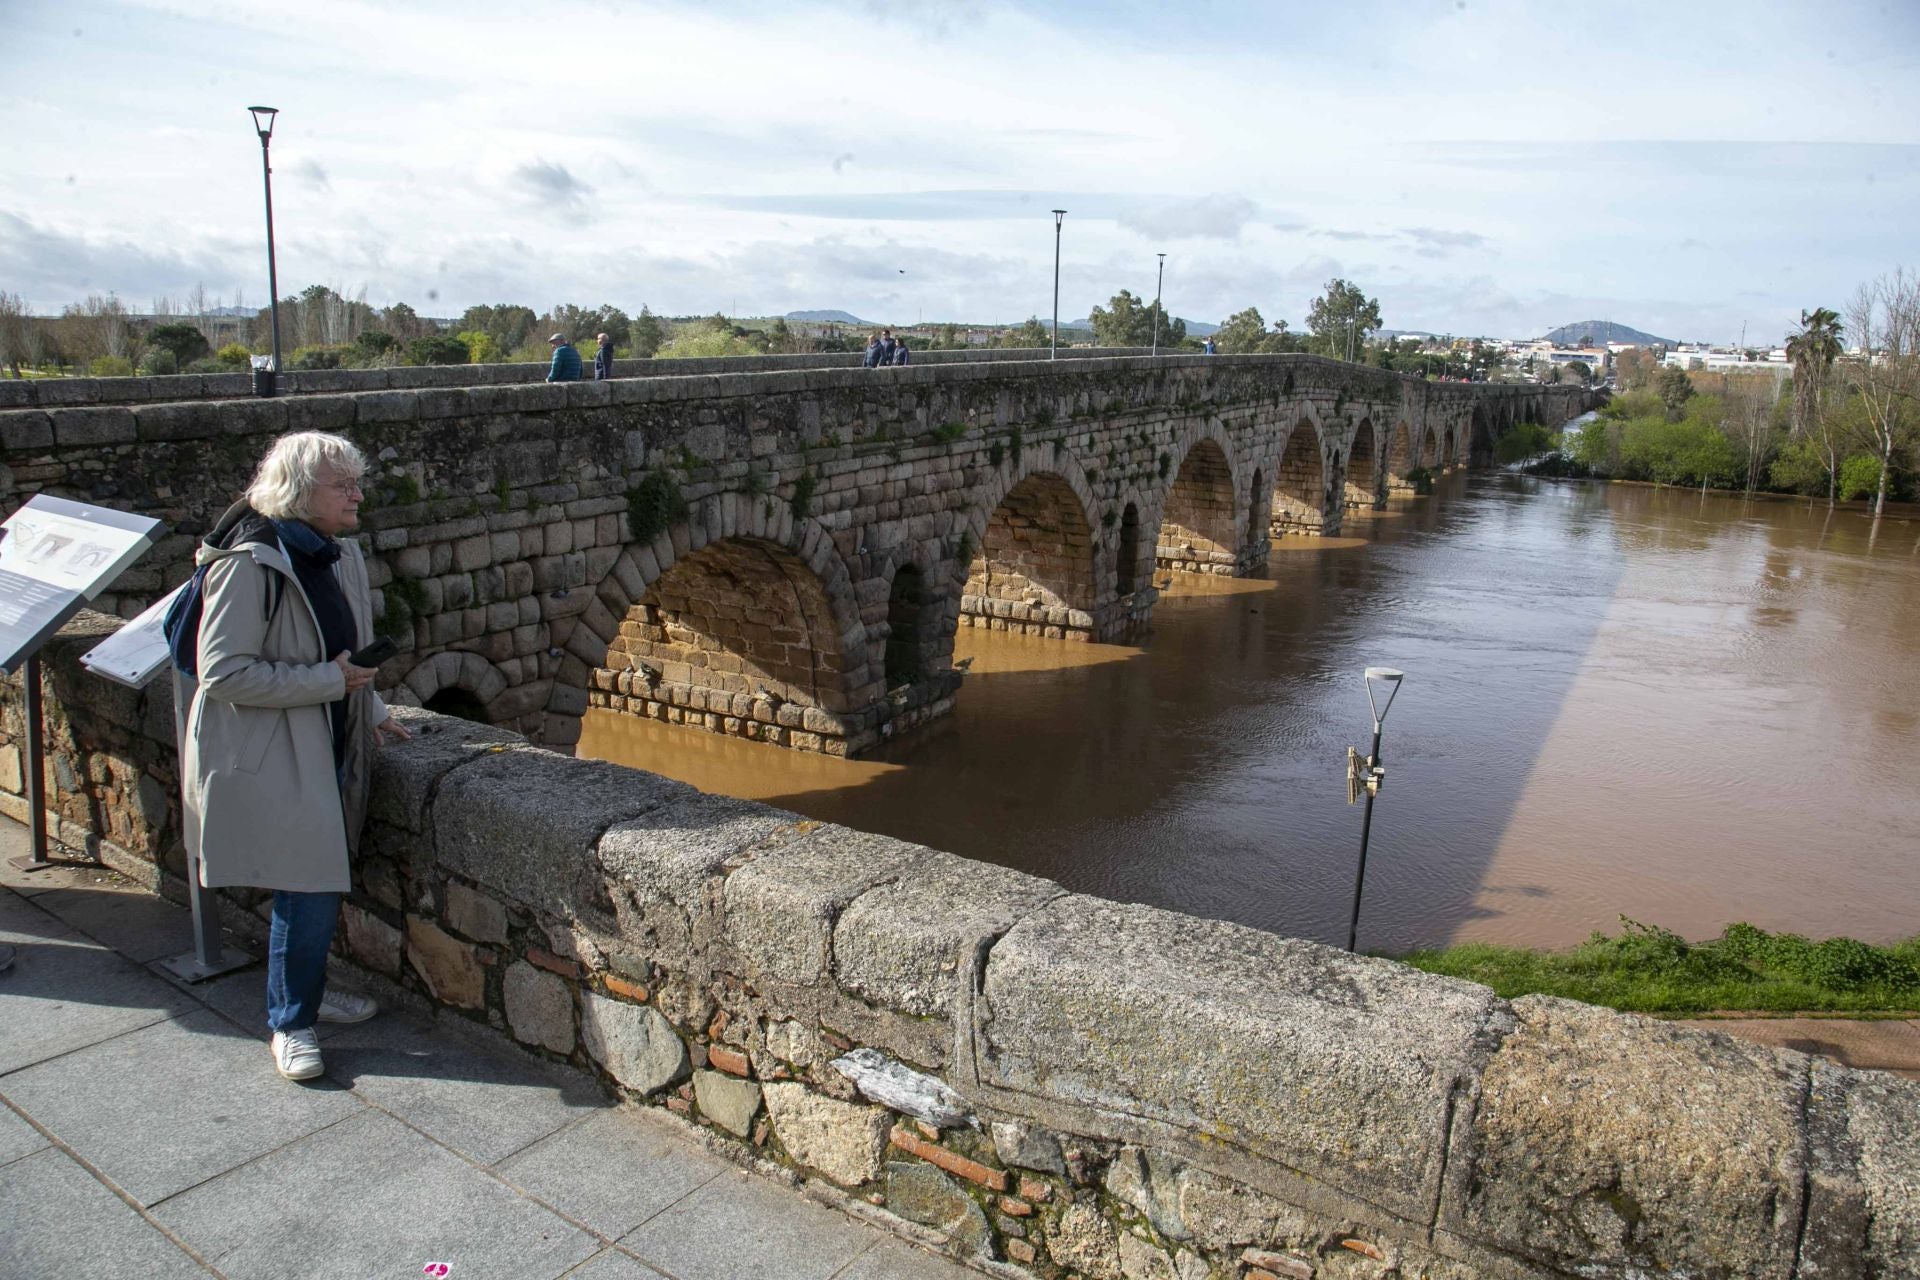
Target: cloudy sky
[1482,166]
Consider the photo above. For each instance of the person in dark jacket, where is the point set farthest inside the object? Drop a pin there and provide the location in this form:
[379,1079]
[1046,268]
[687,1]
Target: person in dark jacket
[566,360]
[900,351]
[603,359]
[887,347]
[873,352]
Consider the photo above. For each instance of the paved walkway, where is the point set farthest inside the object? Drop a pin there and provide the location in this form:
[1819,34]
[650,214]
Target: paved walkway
[146,1135]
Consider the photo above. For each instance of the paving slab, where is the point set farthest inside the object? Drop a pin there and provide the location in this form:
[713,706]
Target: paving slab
[611,1264]
[57,1220]
[64,993]
[739,1225]
[485,1103]
[160,1109]
[120,914]
[18,1138]
[21,921]
[61,875]
[370,1197]
[613,1170]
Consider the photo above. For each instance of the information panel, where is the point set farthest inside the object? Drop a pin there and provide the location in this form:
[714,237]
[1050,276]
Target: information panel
[57,555]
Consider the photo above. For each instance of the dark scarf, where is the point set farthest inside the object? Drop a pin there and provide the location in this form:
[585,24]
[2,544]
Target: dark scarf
[313,556]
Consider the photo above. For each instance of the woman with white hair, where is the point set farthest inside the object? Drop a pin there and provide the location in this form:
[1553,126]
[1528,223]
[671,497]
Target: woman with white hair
[280,727]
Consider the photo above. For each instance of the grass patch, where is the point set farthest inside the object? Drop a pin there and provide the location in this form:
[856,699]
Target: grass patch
[1647,969]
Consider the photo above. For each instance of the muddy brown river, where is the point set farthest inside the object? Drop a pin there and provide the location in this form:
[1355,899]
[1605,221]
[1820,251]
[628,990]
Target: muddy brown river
[1685,709]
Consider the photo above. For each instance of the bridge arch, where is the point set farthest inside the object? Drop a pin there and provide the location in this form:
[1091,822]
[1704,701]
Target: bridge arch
[456,683]
[1300,482]
[1429,448]
[1364,477]
[739,619]
[1199,515]
[1447,457]
[1479,439]
[1034,564]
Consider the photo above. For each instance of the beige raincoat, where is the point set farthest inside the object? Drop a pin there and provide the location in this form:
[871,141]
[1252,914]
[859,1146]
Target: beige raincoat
[262,806]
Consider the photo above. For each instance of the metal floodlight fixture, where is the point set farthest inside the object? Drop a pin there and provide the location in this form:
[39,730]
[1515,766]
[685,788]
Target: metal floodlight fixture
[1391,679]
[263,120]
[1053,349]
[1365,776]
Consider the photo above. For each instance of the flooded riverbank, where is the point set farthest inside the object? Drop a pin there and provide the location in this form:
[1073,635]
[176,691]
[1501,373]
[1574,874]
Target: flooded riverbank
[1685,709]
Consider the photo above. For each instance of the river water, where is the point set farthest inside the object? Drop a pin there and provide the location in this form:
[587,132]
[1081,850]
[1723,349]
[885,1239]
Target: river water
[1685,709]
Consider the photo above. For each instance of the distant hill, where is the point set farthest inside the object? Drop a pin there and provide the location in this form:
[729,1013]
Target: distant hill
[826,317]
[1604,331]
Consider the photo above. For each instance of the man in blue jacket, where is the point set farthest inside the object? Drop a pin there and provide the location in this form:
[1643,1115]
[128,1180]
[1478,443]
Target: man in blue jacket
[566,361]
[603,360]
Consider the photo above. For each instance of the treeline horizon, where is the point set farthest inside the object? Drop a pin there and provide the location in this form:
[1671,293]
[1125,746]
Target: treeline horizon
[321,328]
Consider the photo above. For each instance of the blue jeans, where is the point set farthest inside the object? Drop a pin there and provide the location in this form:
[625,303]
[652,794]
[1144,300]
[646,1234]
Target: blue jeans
[297,944]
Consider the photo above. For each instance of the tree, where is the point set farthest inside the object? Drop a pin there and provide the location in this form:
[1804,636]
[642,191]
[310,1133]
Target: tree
[1029,334]
[1341,318]
[507,324]
[481,348]
[1242,333]
[404,323]
[1675,389]
[645,334]
[1124,322]
[1812,348]
[19,336]
[1885,316]
[184,342]
[96,329]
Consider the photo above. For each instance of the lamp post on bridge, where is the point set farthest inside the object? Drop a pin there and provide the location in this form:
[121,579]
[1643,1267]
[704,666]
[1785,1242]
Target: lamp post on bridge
[263,118]
[1059,215]
[1158,280]
[1368,775]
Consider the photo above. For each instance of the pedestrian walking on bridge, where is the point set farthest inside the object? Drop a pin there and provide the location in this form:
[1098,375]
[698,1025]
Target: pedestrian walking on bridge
[566,361]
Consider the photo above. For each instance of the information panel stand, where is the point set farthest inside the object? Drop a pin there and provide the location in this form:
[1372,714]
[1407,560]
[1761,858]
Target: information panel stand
[55,556]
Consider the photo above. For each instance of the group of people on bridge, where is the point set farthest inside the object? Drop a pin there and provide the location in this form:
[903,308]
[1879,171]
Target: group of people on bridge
[885,349]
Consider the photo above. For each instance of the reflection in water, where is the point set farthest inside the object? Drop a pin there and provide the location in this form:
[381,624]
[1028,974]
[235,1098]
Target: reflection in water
[1619,700]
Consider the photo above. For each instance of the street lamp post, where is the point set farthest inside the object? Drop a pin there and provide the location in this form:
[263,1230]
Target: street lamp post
[263,125]
[1059,215]
[1158,280]
[1368,776]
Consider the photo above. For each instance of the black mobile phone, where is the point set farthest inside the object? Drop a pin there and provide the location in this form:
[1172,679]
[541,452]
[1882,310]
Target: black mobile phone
[374,654]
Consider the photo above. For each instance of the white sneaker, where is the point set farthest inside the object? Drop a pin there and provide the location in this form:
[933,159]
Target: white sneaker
[346,1006]
[297,1054]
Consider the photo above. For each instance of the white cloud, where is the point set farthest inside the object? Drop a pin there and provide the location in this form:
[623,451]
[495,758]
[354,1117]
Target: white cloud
[1216,217]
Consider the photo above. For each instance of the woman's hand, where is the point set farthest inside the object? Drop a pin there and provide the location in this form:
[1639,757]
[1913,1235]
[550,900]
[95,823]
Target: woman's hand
[390,730]
[357,677]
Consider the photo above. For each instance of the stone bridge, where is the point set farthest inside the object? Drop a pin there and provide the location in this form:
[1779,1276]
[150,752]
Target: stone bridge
[782,555]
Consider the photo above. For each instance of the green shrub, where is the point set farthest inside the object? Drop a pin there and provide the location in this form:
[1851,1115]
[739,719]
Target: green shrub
[234,356]
[1421,478]
[158,361]
[110,367]
[1859,477]
[437,349]
[314,358]
[801,504]
[653,506]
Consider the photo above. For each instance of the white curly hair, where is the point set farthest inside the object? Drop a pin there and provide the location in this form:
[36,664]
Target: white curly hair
[283,484]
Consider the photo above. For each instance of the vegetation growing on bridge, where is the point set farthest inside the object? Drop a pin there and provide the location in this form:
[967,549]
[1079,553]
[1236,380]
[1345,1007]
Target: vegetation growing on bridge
[654,505]
[1647,969]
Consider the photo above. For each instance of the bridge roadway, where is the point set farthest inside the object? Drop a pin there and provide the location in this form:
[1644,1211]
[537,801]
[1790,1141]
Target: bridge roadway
[786,555]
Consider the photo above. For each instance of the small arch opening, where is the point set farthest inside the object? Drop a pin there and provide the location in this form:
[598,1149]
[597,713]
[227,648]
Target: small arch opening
[459,703]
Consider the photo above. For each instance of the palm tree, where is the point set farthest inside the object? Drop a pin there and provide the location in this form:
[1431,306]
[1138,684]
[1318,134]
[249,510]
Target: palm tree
[1813,349]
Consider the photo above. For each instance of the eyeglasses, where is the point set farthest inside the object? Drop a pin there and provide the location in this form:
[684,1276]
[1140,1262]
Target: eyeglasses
[343,487]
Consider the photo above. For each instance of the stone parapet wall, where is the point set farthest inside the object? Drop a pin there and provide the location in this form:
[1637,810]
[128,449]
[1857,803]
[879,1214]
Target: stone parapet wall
[1070,1085]
[47,393]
